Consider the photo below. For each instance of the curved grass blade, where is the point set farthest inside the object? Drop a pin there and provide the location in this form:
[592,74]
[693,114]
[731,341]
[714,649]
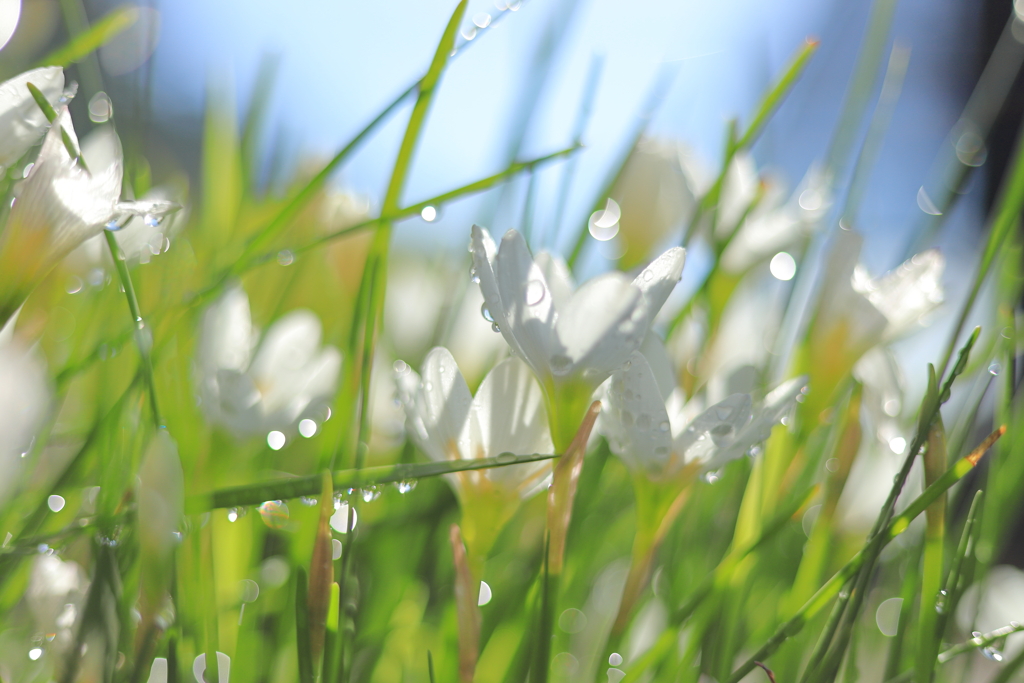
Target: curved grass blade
[254,494]
[83,44]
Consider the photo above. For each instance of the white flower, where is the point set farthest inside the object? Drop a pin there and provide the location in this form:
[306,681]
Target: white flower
[506,416]
[147,222]
[22,123]
[652,428]
[858,312]
[253,386]
[56,208]
[656,191]
[773,226]
[567,335]
[24,405]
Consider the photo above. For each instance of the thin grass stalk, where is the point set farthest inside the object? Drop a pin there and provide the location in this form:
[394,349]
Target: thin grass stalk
[831,588]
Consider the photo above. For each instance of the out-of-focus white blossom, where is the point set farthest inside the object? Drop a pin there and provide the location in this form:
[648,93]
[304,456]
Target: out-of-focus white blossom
[856,311]
[417,294]
[506,416]
[563,333]
[25,398]
[22,122]
[657,191]
[56,208]
[652,427]
[148,222]
[773,226]
[254,386]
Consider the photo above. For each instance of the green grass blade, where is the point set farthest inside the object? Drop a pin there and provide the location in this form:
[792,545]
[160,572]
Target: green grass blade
[980,642]
[302,637]
[776,94]
[832,587]
[94,37]
[254,494]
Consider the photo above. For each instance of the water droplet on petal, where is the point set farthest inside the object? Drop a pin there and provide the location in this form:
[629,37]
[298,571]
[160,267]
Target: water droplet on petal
[534,292]
[560,364]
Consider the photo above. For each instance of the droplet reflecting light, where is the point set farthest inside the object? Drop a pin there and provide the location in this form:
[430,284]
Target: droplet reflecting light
[485,594]
[275,440]
[782,266]
[55,503]
[307,428]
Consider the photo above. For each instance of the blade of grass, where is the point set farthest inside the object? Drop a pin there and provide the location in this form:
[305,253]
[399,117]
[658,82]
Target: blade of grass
[769,103]
[254,494]
[379,248]
[831,588]
[143,337]
[302,635]
[83,44]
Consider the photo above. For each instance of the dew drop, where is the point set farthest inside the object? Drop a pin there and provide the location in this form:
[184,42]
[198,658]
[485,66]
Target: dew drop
[495,328]
[994,368]
[308,501]
[534,292]
[485,594]
[664,426]
[285,257]
[560,364]
[274,514]
[151,221]
[486,313]
[405,486]
[371,494]
[615,659]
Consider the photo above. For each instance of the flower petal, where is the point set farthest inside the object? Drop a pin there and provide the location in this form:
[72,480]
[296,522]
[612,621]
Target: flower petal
[604,322]
[58,206]
[485,255]
[907,293]
[438,407]
[657,280]
[715,428]
[509,417]
[22,123]
[776,405]
[527,302]
[634,417]
[558,277]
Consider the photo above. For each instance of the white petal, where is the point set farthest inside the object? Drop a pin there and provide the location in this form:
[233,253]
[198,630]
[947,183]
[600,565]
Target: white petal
[777,404]
[841,304]
[485,255]
[527,302]
[910,291]
[290,369]
[557,276]
[654,352]
[24,405]
[510,418]
[440,410]
[658,279]
[715,428]
[634,418]
[603,324]
[59,206]
[22,123]
[101,148]
[227,337]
